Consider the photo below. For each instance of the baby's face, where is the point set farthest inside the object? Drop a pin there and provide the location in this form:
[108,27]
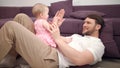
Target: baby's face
[45,14]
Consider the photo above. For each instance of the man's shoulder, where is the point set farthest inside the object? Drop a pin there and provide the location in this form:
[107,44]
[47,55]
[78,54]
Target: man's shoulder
[76,36]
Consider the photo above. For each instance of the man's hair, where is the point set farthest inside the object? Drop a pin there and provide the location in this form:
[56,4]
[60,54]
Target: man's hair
[98,20]
[38,8]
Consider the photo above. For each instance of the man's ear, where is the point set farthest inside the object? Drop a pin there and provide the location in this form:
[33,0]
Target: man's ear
[98,27]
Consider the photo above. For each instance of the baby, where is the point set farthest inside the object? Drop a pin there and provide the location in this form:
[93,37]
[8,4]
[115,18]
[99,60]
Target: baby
[40,11]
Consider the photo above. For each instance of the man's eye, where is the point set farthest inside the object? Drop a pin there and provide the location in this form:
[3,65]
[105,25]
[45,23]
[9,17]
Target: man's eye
[88,22]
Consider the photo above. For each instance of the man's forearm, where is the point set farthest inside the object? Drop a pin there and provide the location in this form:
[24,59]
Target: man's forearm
[67,51]
[76,57]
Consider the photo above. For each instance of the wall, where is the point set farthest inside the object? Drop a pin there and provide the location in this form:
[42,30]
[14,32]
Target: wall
[47,2]
[25,2]
[95,2]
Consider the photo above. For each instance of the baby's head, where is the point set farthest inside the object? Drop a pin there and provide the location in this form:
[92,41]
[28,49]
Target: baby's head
[40,10]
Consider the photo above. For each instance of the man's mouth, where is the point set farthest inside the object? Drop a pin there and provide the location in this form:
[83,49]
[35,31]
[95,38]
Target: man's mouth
[85,29]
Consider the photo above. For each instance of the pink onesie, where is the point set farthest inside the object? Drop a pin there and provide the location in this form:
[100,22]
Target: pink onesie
[42,33]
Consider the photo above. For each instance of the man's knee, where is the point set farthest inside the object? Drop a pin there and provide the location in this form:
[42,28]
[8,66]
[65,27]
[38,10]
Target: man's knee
[10,23]
[25,20]
[20,16]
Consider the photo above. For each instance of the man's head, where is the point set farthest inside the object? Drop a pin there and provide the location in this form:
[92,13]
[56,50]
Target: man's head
[40,9]
[93,24]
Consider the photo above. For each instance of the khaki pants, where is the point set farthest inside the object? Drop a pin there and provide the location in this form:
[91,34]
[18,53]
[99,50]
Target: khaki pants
[32,49]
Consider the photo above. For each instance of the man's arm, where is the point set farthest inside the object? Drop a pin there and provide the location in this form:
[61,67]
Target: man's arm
[76,57]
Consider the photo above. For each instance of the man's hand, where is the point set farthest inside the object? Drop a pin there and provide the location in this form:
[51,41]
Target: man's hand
[54,30]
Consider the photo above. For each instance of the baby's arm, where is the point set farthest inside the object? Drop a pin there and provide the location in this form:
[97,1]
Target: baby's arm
[46,25]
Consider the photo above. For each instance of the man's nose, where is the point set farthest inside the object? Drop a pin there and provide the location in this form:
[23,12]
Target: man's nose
[84,24]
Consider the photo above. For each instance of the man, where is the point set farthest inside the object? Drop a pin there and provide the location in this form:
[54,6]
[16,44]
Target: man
[75,50]
[81,50]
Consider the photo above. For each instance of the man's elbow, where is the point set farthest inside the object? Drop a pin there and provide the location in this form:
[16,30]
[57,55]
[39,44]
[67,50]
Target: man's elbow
[80,62]
[77,62]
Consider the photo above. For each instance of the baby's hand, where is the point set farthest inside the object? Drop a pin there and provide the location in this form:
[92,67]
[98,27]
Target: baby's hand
[59,17]
[61,13]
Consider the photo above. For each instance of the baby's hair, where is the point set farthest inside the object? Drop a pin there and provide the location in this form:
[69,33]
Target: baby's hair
[38,8]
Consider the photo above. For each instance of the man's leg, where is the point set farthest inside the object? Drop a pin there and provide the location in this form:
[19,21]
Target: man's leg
[10,59]
[25,20]
[31,48]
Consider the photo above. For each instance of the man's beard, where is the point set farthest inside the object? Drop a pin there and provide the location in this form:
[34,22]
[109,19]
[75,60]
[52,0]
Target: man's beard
[89,32]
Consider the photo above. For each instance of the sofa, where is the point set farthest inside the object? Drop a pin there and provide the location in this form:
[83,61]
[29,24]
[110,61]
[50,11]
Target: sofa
[74,18]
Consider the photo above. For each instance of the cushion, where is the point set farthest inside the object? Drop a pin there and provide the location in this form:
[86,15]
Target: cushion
[84,13]
[8,12]
[66,5]
[111,49]
[71,26]
[26,10]
[116,25]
